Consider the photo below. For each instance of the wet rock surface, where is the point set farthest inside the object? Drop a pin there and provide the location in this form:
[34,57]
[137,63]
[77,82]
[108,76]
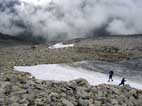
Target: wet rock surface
[19,89]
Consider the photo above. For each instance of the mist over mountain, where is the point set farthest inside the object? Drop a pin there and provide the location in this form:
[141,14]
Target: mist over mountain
[65,19]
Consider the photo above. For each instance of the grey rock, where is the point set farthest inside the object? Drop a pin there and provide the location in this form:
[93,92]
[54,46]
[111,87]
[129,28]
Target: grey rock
[114,101]
[83,102]
[66,102]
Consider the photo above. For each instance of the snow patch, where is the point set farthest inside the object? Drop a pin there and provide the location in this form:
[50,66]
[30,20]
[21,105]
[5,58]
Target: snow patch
[66,73]
[61,45]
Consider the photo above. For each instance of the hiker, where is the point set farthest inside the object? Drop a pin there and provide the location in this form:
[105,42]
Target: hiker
[110,76]
[123,81]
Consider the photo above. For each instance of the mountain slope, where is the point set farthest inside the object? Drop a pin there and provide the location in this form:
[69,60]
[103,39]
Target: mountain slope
[10,40]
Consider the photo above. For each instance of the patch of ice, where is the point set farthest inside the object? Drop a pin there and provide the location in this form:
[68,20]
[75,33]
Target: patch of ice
[66,73]
[61,45]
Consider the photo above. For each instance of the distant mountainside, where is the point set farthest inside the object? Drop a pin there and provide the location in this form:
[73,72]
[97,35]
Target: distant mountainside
[23,38]
[7,37]
[9,40]
[101,37]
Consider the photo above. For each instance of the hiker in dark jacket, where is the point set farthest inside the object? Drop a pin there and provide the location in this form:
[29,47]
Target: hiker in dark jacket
[110,76]
[123,81]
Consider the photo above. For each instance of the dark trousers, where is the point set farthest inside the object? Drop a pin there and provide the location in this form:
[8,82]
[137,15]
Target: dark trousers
[110,78]
[121,84]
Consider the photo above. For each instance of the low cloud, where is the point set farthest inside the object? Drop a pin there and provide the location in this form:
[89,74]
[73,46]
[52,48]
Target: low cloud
[64,19]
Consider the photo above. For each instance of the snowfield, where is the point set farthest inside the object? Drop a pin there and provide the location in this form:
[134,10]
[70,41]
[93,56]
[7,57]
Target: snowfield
[61,45]
[63,72]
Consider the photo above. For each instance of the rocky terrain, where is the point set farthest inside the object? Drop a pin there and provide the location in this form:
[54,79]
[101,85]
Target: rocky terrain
[20,89]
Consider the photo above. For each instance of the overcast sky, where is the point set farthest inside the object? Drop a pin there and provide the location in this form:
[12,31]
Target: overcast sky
[65,19]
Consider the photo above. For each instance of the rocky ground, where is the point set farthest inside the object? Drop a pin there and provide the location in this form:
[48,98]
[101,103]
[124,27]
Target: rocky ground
[19,89]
